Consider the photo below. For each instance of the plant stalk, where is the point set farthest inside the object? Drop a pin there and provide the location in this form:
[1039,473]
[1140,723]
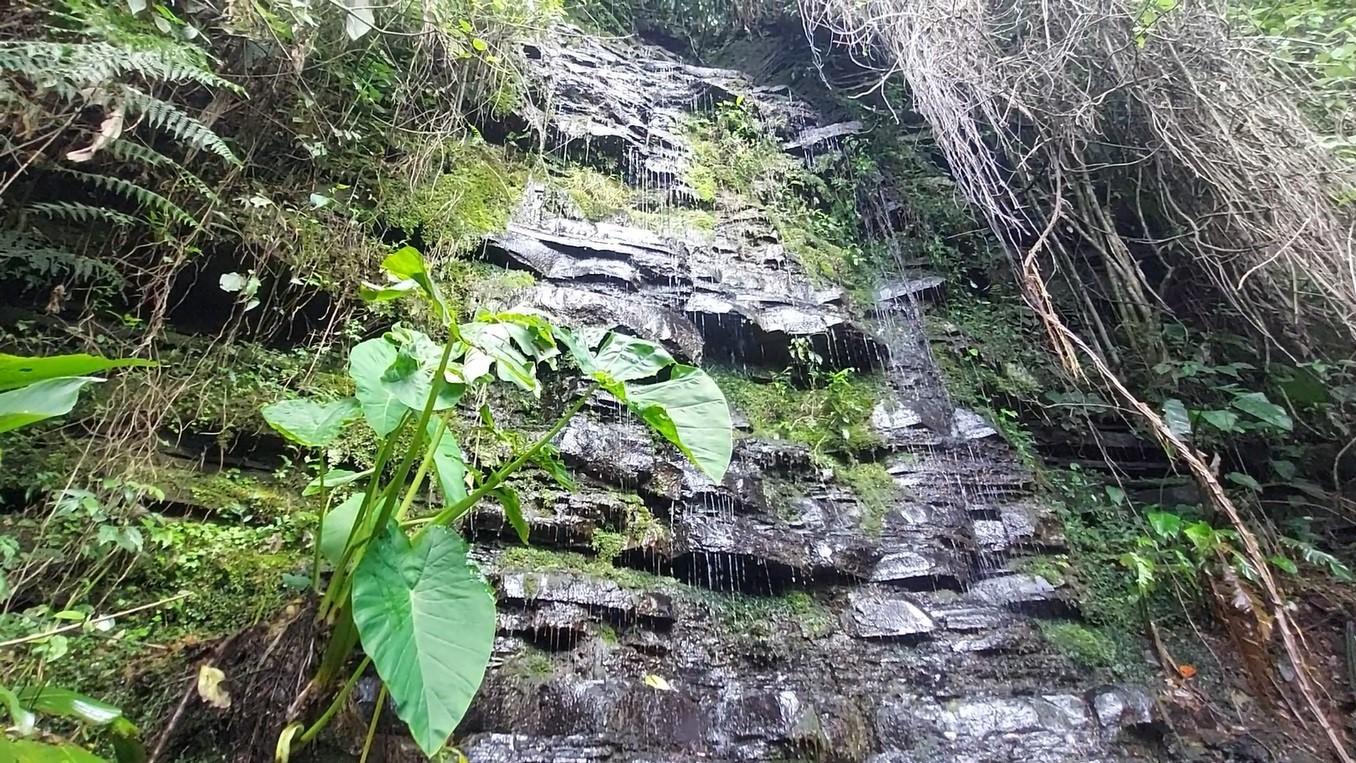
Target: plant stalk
[449,514]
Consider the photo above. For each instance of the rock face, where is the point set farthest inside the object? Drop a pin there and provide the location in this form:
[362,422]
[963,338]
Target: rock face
[775,616]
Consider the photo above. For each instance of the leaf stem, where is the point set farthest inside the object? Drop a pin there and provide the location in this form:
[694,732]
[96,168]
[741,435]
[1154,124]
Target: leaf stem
[422,471]
[450,513]
[325,496]
[339,699]
[372,726]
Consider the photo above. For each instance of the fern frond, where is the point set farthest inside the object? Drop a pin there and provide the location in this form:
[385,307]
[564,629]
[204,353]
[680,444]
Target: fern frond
[38,260]
[166,116]
[82,213]
[91,64]
[145,197]
[127,151]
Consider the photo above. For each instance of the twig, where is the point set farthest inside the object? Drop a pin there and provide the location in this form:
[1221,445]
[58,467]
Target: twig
[79,625]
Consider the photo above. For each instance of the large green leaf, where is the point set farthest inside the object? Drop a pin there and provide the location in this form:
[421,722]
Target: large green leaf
[626,358]
[393,379]
[407,263]
[690,411]
[501,343]
[426,619]
[311,423]
[334,478]
[1257,404]
[19,371]
[56,701]
[338,526]
[449,466]
[29,751]
[40,400]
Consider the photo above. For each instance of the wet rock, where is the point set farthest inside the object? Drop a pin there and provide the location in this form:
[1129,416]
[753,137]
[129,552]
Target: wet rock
[911,291]
[520,748]
[916,571]
[882,616]
[751,721]
[584,590]
[809,139]
[557,624]
[1024,593]
[1122,707]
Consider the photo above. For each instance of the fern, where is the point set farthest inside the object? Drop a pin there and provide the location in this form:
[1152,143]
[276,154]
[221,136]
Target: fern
[166,116]
[145,197]
[132,153]
[38,261]
[74,211]
[94,64]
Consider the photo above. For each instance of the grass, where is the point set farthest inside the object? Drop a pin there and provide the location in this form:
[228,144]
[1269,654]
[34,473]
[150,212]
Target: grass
[526,559]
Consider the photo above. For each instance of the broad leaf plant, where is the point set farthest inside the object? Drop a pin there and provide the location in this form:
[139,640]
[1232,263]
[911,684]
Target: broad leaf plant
[402,586]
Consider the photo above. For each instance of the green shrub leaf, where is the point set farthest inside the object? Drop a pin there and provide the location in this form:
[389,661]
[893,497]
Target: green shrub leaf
[1176,417]
[449,465]
[690,411]
[311,423]
[338,526]
[29,751]
[19,371]
[426,619]
[1257,405]
[40,400]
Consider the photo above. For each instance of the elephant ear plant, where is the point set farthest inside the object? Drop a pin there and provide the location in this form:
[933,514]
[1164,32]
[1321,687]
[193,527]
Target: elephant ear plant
[402,586]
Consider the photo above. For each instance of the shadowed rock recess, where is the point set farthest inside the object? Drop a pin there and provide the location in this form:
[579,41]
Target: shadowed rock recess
[775,616]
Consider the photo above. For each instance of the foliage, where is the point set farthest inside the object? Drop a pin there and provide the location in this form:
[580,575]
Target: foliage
[397,593]
[453,209]
[830,417]
[597,195]
[874,488]
[33,389]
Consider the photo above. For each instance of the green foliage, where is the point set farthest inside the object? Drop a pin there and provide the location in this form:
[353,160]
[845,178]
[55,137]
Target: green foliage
[454,209]
[407,596]
[33,389]
[767,617]
[1090,647]
[831,417]
[874,488]
[427,620]
[598,196]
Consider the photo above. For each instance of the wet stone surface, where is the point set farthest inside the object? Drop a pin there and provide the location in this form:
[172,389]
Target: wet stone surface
[774,616]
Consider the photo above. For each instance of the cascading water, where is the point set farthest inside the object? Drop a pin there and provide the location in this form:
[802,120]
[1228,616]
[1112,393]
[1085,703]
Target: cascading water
[788,630]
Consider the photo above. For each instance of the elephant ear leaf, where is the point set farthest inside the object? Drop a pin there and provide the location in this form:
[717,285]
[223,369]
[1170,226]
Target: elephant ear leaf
[689,410]
[311,423]
[426,618]
[40,400]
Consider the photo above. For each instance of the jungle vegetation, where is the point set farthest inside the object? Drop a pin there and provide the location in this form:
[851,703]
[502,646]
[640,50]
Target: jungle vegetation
[1156,201]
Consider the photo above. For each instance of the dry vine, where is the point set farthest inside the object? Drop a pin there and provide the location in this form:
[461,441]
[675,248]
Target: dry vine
[1145,155]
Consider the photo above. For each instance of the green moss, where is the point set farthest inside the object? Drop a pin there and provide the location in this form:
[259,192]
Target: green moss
[531,664]
[1086,646]
[607,545]
[454,210]
[597,195]
[764,617]
[542,560]
[832,418]
[675,220]
[874,488]
[470,286]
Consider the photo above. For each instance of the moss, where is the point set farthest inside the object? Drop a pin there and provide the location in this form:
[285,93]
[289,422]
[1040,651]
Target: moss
[832,418]
[1088,647]
[470,286]
[597,195]
[455,209]
[531,664]
[763,617]
[542,560]
[607,545]
[874,488]
[674,220]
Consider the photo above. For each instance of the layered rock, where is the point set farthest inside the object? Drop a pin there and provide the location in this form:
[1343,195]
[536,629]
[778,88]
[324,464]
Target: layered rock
[777,615]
